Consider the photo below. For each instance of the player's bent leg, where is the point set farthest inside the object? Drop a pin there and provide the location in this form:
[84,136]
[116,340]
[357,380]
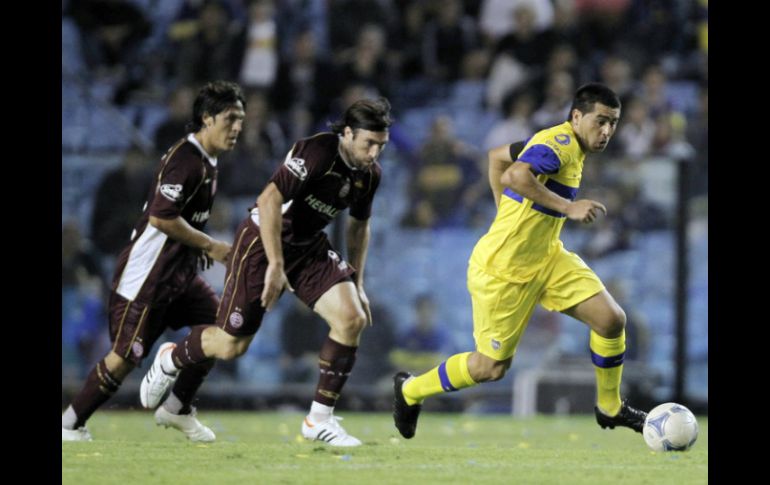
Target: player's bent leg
[342,310]
[457,372]
[101,383]
[608,346]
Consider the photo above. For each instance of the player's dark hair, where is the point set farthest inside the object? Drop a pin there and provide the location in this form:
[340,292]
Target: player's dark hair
[589,94]
[212,99]
[367,114]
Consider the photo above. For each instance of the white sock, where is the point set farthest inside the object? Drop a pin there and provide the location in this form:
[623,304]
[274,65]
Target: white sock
[167,363]
[69,418]
[320,412]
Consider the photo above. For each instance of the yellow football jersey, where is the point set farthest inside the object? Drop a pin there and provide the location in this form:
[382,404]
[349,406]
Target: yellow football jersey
[524,235]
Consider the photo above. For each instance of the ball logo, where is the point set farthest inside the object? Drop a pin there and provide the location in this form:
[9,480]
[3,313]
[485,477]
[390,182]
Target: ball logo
[297,167]
[236,320]
[562,139]
[172,192]
[137,349]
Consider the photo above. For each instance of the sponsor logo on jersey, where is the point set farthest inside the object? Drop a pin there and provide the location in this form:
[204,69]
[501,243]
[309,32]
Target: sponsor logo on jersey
[236,320]
[321,207]
[562,139]
[200,216]
[172,192]
[297,167]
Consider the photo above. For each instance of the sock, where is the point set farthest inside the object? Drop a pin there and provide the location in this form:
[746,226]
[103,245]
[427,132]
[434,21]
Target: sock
[187,352]
[186,386]
[320,412]
[335,362]
[607,355]
[100,385]
[69,418]
[450,375]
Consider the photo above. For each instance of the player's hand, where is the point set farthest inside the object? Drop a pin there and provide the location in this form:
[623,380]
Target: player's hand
[585,210]
[365,303]
[275,281]
[219,251]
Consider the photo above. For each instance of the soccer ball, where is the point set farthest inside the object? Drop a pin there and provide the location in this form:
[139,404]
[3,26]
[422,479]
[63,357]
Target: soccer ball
[670,427]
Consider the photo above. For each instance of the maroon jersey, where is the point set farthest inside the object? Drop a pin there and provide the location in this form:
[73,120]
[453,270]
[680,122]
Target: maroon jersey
[317,185]
[153,268]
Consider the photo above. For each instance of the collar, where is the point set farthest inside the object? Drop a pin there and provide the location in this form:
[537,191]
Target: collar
[212,160]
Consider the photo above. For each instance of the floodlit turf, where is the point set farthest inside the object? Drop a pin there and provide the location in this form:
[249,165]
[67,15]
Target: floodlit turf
[260,448]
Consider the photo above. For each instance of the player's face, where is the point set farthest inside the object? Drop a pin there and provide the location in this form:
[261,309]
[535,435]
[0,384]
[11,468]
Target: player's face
[597,127]
[363,147]
[224,128]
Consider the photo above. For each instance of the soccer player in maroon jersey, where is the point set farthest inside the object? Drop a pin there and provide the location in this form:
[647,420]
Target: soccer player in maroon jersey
[156,285]
[281,245]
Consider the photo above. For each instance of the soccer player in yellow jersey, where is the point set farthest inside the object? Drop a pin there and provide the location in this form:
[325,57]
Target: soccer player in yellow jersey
[520,262]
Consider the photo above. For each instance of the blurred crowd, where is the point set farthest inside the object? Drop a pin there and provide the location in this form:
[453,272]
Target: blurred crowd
[302,62]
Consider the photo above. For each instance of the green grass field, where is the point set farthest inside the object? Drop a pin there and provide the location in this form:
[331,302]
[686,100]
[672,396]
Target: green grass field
[257,447]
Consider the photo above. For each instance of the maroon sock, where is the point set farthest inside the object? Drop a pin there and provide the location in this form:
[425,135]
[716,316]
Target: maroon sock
[189,381]
[335,363]
[190,350]
[100,385]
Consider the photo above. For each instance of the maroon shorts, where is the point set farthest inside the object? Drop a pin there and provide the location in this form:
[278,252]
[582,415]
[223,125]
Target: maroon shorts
[135,326]
[312,270]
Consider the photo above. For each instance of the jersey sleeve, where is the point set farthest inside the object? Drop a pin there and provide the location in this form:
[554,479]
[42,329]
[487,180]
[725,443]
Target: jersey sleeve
[361,209]
[516,148]
[177,182]
[542,158]
[302,164]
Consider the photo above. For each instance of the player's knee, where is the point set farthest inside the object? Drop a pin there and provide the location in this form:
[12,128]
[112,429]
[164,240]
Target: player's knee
[485,370]
[612,324]
[352,324]
[229,347]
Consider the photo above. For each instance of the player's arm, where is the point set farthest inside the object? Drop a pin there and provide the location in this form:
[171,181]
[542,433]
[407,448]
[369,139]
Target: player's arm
[269,203]
[500,159]
[178,229]
[521,178]
[358,234]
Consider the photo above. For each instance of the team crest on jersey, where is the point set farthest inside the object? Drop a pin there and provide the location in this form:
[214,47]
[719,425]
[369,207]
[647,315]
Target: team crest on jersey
[297,167]
[236,320]
[359,184]
[562,139]
[137,348]
[345,190]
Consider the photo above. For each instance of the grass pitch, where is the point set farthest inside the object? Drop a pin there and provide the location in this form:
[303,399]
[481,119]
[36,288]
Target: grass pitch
[254,447]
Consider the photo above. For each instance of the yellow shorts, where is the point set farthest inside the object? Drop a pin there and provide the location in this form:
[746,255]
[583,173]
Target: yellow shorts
[501,309]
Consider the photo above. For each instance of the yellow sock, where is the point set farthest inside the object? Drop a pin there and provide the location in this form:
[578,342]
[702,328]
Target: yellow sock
[450,375]
[607,355]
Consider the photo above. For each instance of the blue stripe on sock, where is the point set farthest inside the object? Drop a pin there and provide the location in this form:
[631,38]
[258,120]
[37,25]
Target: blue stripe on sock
[445,384]
[607,362]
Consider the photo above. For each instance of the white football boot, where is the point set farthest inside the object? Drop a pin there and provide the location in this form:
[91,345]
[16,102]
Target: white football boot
[156,382]
[329,432]
[80,434]
[186,423]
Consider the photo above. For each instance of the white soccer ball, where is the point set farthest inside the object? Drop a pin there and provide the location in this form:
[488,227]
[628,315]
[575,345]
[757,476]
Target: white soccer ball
[670,427]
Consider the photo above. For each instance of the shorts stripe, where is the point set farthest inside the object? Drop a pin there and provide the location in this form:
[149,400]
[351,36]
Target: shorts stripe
[138,327]
[232,260]
[237,276]
[120,327]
